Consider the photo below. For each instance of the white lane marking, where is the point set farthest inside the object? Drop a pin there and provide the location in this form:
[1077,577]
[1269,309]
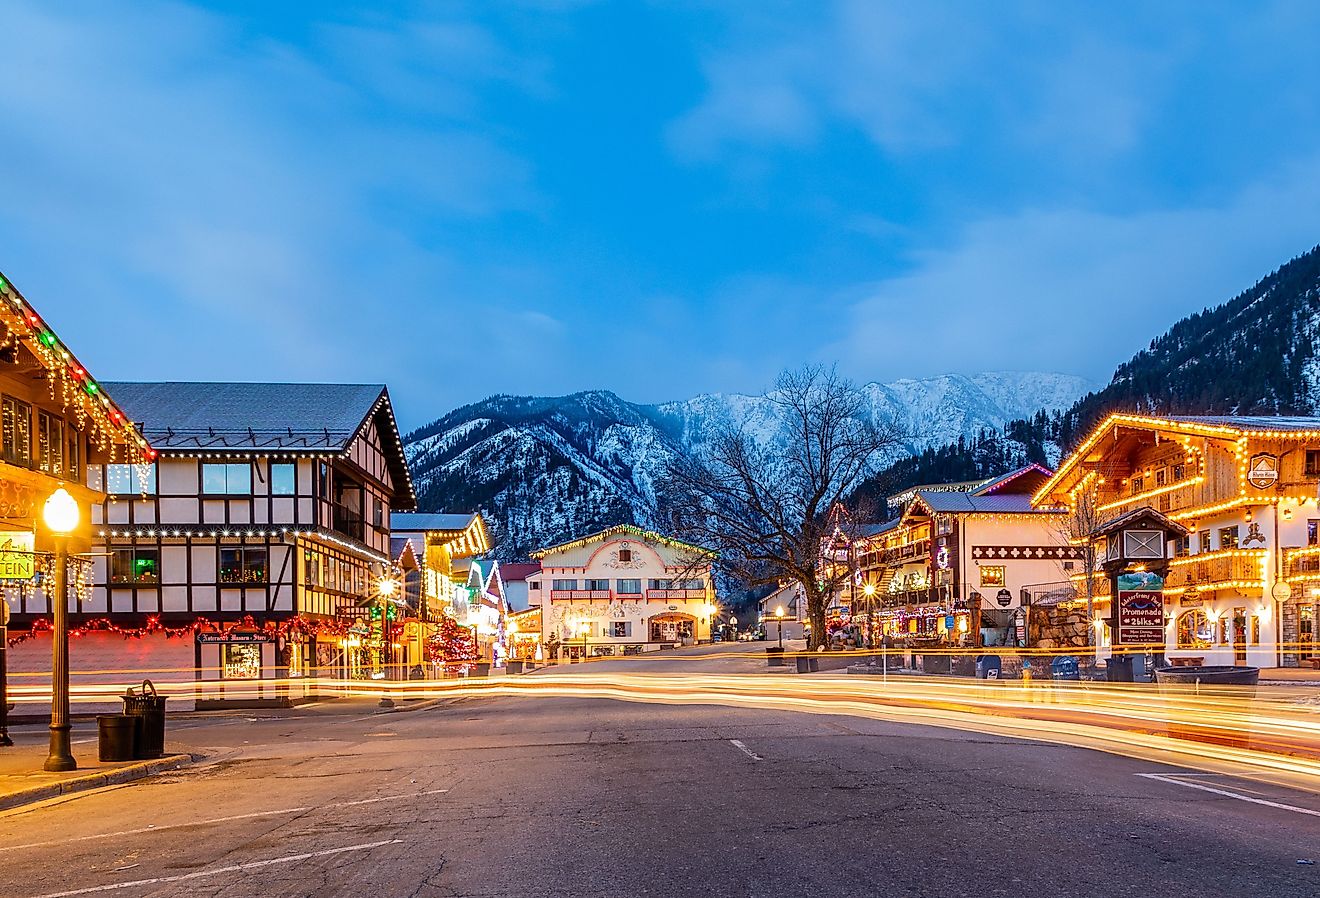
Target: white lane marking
[236,868]
[738,744]
[251,816]
[1227,794]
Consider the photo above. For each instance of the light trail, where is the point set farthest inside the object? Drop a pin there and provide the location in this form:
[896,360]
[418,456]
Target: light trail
[1265,733]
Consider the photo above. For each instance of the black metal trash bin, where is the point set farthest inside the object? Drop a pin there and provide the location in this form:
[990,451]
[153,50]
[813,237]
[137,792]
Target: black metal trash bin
[803,663]
[117,737]
[151,708]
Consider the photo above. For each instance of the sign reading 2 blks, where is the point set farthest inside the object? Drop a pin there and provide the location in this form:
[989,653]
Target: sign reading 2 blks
[1140,609]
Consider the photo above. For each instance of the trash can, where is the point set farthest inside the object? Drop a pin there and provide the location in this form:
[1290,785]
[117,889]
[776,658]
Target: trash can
[481,669]
[774,656]
[116,737]
[1065,667]
[803,663]
[988,667]
[813,663]
[150,707]
[513,667]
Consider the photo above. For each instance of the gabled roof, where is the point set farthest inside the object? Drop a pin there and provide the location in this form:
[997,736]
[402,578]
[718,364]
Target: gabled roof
[514,573]
[622,530]
[1145,513]
[1213,426]
[868,530]
[1025,479]
[67,378]
[953,503]
[431,523]
[182,417]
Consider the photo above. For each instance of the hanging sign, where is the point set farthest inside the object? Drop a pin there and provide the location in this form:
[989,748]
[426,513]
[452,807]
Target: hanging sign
[16,555]
[1263,472]
[1004,598]
[1140,609]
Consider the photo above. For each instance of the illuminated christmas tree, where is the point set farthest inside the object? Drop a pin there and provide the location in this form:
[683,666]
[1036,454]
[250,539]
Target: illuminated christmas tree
[451,644]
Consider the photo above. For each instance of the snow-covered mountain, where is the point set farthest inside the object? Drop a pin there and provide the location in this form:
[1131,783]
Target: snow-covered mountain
[543,469]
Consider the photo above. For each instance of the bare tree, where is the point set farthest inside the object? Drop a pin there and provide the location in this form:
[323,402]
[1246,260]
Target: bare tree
[1078,527]
[764,510]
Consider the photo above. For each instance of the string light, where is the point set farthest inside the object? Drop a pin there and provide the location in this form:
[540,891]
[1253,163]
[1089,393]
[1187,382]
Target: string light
[68,382]
[297,626]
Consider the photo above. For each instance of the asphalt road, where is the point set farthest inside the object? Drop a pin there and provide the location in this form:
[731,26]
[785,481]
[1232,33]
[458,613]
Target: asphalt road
[546,796]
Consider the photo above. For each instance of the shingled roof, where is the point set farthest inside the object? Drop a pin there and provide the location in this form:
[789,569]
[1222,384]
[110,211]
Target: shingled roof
[180,417]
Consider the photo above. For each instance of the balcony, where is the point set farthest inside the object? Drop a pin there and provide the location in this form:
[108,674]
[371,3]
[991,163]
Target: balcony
[1304,566]
[349,522]
[567,595]
[908,552]
[1237,566]
[668,595]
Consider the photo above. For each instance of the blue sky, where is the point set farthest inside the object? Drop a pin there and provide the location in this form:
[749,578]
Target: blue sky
[657,198]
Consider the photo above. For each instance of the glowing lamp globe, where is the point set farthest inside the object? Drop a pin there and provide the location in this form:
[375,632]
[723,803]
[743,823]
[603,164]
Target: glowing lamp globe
[386,587]
[61,512]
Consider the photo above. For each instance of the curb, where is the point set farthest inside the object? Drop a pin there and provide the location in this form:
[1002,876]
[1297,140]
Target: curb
[125,774]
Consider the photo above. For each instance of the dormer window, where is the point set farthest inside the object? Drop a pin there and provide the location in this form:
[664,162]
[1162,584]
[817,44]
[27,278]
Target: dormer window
[625,554]
[1313,462]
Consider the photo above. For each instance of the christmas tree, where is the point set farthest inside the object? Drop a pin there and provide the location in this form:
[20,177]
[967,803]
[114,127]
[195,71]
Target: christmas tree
[451,644]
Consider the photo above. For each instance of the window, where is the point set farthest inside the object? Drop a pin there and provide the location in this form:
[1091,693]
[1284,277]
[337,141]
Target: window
[323,481]
[630,587]
[122,480]
[242,564]
[1069,565]
[283,479]
[1313,532]
[17,431]
[311,570]
[227,479]
[1179,472]
[625,555]
[1203,541]
[1228,537]
[1161,477]
[563,585]
[992,575]
[621,629]
[598,585]
[73,457]
[242,661]
[135,566]
[692,584]
[535,585]
[377,512]
[1182,546]
[1313,462]
[50,444]
[660,584]
[1137,484]
[1194,630]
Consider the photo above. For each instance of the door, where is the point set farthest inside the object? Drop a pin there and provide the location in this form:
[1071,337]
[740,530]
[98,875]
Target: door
[1240,635]
[1307,647]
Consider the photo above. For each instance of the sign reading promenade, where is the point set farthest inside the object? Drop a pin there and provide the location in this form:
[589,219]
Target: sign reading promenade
[1140,609]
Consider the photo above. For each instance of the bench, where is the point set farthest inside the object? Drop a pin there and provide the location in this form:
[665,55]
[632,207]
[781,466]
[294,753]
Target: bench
[1186,662]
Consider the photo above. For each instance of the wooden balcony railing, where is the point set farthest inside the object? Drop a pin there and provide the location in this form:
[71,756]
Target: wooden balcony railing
[1236,566]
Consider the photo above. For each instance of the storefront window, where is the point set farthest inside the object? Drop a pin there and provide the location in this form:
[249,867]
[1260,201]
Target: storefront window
[1195,630]
[241,662]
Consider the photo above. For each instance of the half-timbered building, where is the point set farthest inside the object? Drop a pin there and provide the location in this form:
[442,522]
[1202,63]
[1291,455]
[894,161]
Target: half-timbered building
[259,534]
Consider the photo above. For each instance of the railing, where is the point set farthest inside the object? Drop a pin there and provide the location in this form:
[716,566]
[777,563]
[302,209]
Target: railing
[676,594]
[1303,566]
[1241,566]
[568,594]
[917,549]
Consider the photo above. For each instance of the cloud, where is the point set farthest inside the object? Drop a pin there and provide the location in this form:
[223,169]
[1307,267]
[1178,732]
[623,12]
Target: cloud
[1076,291]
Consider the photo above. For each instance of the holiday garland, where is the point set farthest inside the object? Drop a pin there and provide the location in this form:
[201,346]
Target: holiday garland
[294,626]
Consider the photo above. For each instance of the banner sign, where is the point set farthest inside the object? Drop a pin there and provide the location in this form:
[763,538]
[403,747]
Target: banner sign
[1140,609]
[233,637]
[17,561]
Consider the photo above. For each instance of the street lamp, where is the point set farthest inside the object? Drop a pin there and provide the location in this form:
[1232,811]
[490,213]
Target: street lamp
[779,614]
[869,591]
[583,628]
[385,587]
[61,516]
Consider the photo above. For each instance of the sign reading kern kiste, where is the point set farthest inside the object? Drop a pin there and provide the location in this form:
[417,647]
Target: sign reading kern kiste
[17,561]
[1140,609]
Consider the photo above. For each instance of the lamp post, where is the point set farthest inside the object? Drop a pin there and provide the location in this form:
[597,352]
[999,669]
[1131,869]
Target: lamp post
[779,616]
[583,628]
[61,516]
[869,591]
[385,589]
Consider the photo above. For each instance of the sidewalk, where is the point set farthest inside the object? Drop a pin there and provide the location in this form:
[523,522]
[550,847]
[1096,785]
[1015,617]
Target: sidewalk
[22,781]
[1290,675]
